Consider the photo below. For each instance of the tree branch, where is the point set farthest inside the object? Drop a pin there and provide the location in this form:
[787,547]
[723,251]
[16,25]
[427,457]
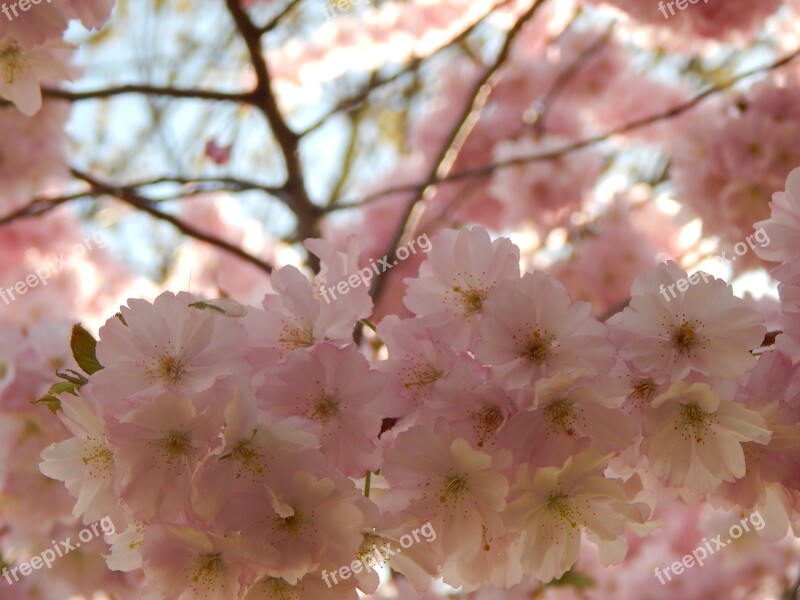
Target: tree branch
[414,64]
[566,76]
[148,90]
[306,211]
[457,137]
[40,206]
[227,184]
[490,169]
[275,21]
[130,197]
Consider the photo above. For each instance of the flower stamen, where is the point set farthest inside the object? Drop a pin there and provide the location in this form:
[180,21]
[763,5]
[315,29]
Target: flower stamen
[557,504]
[325,409]
[454,487]
[561,414]
[684,338]
[693,417]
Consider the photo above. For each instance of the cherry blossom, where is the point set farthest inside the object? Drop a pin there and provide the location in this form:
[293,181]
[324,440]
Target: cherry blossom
[702,328]
[345,400]
[22,70]
[556,505]
[222,357]
[166,345]
[533,329]
[85,463]
[462,268]
[694,438]
[458,487]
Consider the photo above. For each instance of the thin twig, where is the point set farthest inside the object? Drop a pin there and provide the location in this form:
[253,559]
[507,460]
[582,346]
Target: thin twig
[412,66]
[490,169]
[40,206]
[227,183]
[567,75]
[478,97]
[145,205]
[276,20]
[148,90]
[307,212]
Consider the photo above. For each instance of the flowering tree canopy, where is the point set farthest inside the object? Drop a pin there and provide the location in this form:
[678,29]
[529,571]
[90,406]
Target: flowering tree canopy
[472,299]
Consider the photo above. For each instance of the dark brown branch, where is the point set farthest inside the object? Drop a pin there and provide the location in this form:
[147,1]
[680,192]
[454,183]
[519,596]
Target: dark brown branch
[457,137]
[307,213]
[228,184]
[40,206]
[276,20]
[566,76]
[145,205]
[148,90]
[490,169]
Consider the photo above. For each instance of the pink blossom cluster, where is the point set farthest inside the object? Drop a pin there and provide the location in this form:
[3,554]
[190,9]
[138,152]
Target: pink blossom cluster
[522,119]
[31,47]
[608,253]
[34,344]
[242,452]
[33,54]
[734,157]
[784,223]
[35,511]
[393,31]
[42,21]
[707,19]
[525,117]
[56,246]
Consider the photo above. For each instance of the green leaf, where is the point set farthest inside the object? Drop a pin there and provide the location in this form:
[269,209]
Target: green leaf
[83,349]
[53,403]
[61,387]
[50,399]
[573,579]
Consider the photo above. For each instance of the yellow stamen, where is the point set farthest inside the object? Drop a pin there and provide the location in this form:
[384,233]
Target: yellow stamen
[694,418]
[325,409]
[685,338]
[176,443]
[208,566]
[561,414]
[454,487]
[557,504]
